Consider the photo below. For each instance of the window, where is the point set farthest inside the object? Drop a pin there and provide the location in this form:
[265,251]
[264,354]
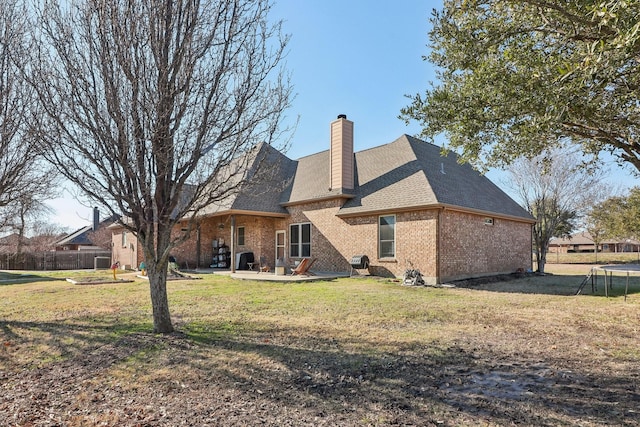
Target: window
[300,240]
[240,235]
[387,236]
[488,221]
[124,239]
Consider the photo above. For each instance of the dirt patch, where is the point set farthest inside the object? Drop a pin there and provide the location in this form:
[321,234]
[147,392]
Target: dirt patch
[255,383]
[477,281]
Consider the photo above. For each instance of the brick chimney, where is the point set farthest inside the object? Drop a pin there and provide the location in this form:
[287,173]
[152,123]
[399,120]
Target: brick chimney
[341,153]
[96,218]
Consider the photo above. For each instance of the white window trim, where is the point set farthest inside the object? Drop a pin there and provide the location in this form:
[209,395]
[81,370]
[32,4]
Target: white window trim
[300,243]
[395,232]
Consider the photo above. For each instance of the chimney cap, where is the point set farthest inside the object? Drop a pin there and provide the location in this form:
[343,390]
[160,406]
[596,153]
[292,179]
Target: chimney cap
[342,116]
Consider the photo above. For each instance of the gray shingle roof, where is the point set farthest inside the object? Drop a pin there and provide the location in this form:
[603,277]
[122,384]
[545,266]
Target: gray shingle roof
[268,177]
[311,180]
[405,174]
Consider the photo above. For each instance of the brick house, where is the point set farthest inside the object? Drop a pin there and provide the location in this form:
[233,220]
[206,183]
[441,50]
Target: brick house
[583,242]
[94,237]
[400,204]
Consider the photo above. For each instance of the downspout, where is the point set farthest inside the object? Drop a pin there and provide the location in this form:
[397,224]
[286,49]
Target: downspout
[438,245]
[198,243]
[233,243]
[531,247]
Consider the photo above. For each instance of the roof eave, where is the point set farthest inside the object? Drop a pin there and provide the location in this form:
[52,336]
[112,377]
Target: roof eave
[437,206]
[243,212]
[318,199]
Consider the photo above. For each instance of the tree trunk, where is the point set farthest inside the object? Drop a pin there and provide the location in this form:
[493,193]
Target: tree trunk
[159,300]
[542,258]
[541,263]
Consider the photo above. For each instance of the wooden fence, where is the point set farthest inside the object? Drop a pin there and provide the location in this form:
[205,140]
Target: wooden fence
[55,260]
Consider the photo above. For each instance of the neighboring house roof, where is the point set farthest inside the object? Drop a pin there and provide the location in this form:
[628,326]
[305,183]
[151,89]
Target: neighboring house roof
[78,237]
[9,244]
[585,238]
[81,236]
[13,239]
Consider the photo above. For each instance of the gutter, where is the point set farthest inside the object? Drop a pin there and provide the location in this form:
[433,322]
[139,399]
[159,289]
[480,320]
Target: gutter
[318,199]
[437,206]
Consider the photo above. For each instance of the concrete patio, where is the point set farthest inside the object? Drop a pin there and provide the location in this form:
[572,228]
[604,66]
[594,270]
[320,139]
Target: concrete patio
[271,276]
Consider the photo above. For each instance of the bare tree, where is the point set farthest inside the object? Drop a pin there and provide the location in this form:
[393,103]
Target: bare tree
[21,173]
[44,235]
[151,105]
[557,190]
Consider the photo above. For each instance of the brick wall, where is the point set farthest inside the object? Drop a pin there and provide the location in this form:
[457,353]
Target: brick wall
[129,255]
[259,238]
[335,240]
[469,247]
[328,233]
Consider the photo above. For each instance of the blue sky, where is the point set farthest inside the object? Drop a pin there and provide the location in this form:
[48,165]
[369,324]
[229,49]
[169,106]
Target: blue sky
[353,57]
[358,58]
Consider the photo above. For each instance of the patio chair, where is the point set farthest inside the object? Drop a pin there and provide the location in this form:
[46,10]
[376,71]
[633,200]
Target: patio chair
[263,267]
[303,267]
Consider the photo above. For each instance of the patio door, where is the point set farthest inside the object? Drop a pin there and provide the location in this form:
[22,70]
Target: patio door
[281,240]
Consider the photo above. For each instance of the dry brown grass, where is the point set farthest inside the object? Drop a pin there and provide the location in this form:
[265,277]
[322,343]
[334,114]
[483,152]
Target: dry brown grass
[347,352]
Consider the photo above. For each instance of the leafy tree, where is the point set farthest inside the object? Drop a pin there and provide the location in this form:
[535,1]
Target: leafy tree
[618,217]
[150,107]
[519,76]
[596,229]
[557,192]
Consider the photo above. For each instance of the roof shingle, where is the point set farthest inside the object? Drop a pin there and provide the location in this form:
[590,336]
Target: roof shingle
[405,174]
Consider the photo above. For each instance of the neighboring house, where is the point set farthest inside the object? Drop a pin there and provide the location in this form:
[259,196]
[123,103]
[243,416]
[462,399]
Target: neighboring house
[94,237]
[10,244]
[583,242]
[401,204]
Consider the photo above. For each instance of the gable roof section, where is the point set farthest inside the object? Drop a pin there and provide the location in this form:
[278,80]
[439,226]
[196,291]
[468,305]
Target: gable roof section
[81,236]
[410,174]
[78,237]
[267,178]
[311,181]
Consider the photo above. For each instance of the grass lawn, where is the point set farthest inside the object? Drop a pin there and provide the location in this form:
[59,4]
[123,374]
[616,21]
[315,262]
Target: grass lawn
[354,351]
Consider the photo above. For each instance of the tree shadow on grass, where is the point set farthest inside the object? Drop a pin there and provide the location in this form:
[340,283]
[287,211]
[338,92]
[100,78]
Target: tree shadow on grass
[7,278]
[550,284]
[427,385]
[300,379]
